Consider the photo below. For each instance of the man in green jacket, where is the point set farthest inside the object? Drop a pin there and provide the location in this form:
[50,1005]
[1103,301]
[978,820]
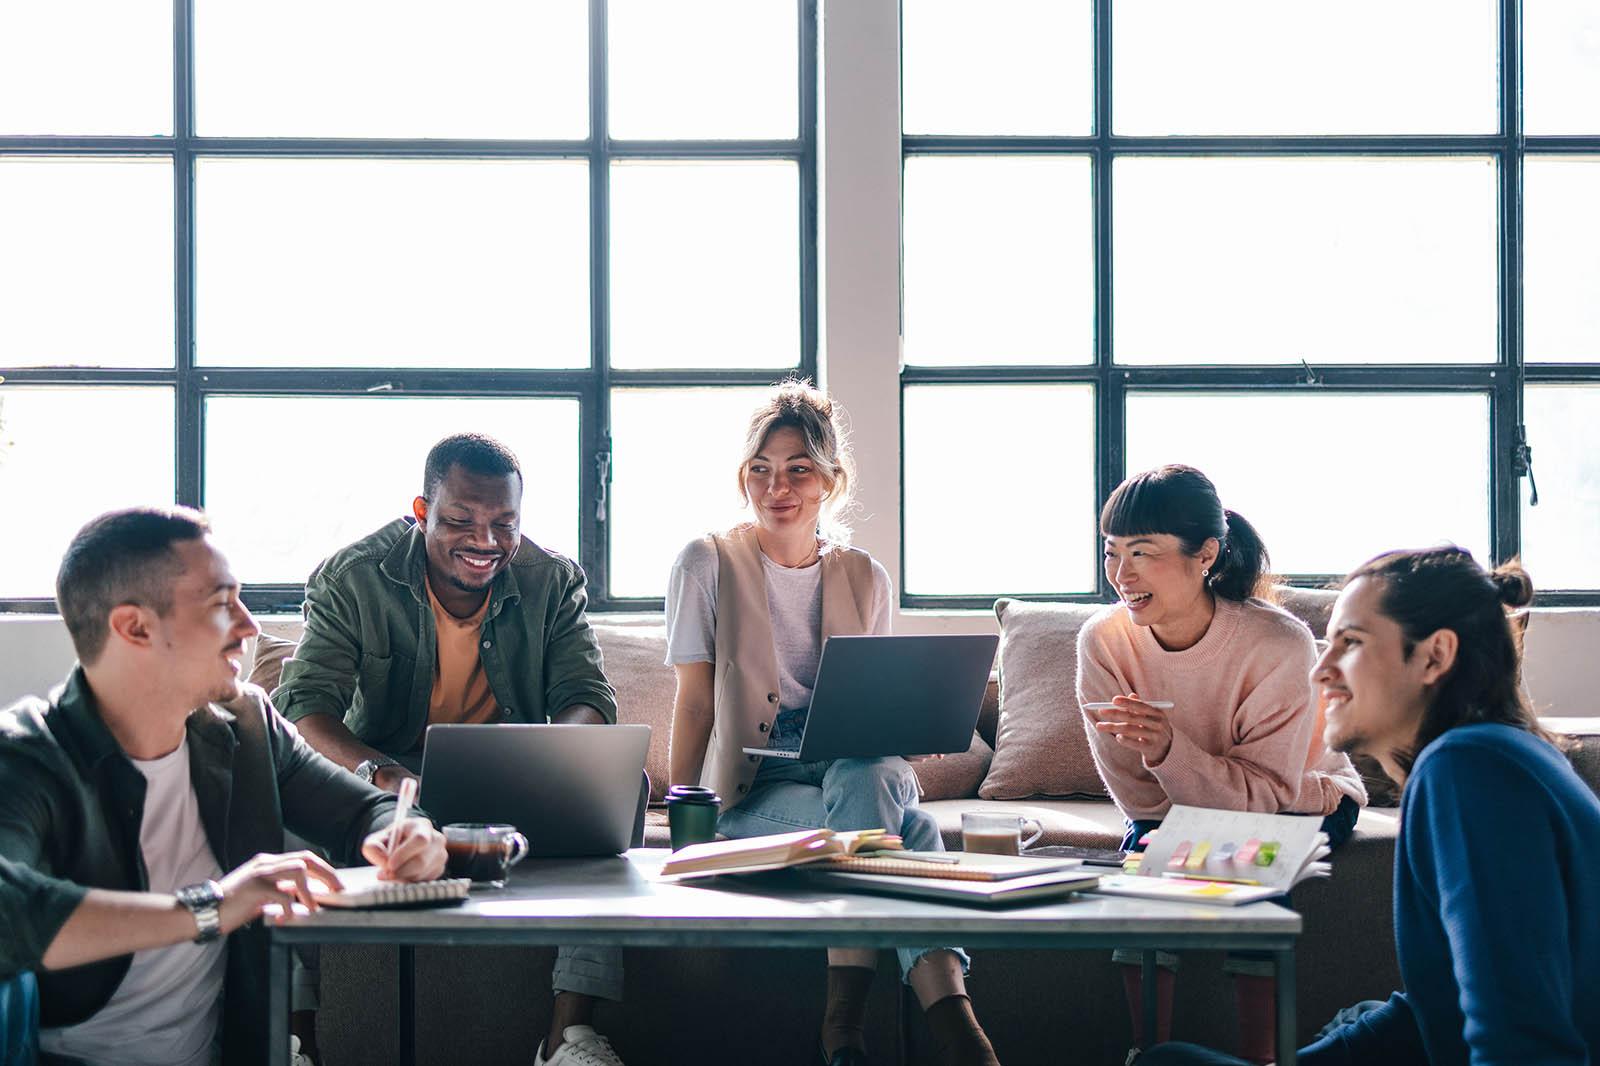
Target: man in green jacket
[126,795]
[452,616]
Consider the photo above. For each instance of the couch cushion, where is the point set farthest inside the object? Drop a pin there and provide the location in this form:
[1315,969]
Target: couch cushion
[1085,822]
[1040,746]
[955,776]
[267,659]
[1311,606]
[633,655]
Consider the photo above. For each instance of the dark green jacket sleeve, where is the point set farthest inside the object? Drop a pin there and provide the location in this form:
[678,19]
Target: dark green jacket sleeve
[573,669]
[33,905]
[321,677]
[322,801]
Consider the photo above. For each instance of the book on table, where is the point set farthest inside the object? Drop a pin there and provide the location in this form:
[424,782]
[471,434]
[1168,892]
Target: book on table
[363,888]
[1202,855]
[775,852]
[955,877]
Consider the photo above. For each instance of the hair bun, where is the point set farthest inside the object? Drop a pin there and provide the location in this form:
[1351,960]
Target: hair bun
[1513,584]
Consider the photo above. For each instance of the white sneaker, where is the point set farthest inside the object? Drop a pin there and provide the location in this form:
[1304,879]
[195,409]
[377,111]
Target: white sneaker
[295,1058]
[581,1046]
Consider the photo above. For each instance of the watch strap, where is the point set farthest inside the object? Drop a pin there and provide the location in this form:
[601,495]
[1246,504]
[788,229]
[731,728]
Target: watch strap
[204,901]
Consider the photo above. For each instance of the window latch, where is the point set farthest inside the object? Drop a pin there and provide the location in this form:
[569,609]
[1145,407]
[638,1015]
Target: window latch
[1522,463]
[602,469]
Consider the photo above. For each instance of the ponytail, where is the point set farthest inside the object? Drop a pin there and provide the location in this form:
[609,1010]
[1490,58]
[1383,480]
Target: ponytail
[1242,569]
[1181,501]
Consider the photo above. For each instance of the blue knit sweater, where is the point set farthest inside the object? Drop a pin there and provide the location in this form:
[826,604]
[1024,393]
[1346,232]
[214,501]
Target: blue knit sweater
[1496,913]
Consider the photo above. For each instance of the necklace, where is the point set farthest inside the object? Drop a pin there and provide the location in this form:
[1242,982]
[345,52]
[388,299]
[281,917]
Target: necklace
[809,558]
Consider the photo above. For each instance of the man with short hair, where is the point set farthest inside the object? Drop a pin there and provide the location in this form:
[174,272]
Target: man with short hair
[1497,865]
[126,795]
[452,616]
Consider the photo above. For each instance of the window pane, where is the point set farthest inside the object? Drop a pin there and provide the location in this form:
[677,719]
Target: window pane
[703,69]
[57,472]
[392,68]
[1561,67]
[1366,260]
[1009,67]
[85,262]
[86,68]
[705,264]
[999,489]
[1330,480]
[1561,258]
[999,260]
[1558,535]
[338,468]
[1326,67]
[365,262]
[672,485]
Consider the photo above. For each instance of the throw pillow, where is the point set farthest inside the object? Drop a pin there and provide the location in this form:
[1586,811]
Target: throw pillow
[267,666]
[955,776]
[1041,748]
[633,656]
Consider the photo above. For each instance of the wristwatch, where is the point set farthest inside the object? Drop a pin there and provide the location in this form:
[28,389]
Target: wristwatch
[367,769]
[204,902]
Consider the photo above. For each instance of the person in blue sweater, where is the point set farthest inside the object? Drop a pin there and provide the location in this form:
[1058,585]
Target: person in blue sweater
[1497,865]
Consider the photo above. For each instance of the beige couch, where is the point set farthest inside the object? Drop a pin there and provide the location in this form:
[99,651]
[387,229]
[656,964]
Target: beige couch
[717,1006]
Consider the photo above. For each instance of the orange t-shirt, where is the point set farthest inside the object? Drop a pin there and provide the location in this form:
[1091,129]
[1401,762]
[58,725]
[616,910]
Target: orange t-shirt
[461,693]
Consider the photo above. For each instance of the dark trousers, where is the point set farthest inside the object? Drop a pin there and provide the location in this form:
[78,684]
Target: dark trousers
[1338,825]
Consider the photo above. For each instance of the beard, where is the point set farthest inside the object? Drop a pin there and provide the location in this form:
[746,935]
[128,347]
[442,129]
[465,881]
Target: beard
[225,692]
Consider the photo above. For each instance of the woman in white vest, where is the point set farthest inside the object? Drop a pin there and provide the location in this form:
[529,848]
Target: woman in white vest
[747,612]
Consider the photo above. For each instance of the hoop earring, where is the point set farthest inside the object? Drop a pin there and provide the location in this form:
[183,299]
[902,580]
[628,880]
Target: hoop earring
[1206,572]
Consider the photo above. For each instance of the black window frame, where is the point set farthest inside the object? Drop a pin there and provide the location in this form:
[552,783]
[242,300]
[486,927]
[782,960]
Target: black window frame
[1502,380]
[590,386]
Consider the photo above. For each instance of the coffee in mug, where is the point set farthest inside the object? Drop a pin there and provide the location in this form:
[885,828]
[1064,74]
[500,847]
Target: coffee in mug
[993,833]
[483,853]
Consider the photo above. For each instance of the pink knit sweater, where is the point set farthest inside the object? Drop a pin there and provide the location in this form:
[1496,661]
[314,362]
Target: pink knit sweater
[1245,732]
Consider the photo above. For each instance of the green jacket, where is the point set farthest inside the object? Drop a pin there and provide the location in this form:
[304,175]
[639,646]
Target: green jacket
[369,648]
[71,808]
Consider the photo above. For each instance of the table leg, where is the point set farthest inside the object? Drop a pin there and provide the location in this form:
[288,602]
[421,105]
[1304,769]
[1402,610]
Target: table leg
[1286,1022]
[278,978]
[1147,977]
[408,1005]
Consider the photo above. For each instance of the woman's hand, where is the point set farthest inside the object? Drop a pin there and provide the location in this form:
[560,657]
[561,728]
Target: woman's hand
[1140,725]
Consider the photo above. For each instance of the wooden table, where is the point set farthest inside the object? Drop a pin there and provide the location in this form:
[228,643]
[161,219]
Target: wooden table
[618,901]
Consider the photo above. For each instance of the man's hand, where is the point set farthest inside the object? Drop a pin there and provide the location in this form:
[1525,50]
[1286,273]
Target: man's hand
[281,879]
[1139,725]
[388,778]
[418,853]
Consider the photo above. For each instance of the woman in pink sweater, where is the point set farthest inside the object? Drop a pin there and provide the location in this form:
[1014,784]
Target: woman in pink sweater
[1202,691]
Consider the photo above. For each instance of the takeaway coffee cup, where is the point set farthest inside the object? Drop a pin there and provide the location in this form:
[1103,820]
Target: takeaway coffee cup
[692,815]
[993,833]
[483,853]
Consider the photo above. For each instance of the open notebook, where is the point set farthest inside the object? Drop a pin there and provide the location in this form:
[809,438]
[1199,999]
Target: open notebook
[362,888]
[1201,855]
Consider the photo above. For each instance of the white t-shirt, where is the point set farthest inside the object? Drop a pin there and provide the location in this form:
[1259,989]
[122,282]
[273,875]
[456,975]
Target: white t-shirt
[794,599]
[166,1011]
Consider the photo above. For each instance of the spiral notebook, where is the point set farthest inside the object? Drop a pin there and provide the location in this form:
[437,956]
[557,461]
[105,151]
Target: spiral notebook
[362,888]
[949,865]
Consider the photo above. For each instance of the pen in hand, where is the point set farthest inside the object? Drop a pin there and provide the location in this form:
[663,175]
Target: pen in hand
[408,796]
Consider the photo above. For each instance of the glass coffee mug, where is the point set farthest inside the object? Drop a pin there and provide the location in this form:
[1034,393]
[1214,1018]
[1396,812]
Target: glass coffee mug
[483,853]
[994,833]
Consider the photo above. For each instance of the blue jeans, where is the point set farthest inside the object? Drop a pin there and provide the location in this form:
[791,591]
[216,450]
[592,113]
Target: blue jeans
[19,1020]
[842,794]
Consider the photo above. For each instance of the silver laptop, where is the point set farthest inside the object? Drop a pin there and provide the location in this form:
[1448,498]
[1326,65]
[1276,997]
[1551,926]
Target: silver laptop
[904,695]
[572,790]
